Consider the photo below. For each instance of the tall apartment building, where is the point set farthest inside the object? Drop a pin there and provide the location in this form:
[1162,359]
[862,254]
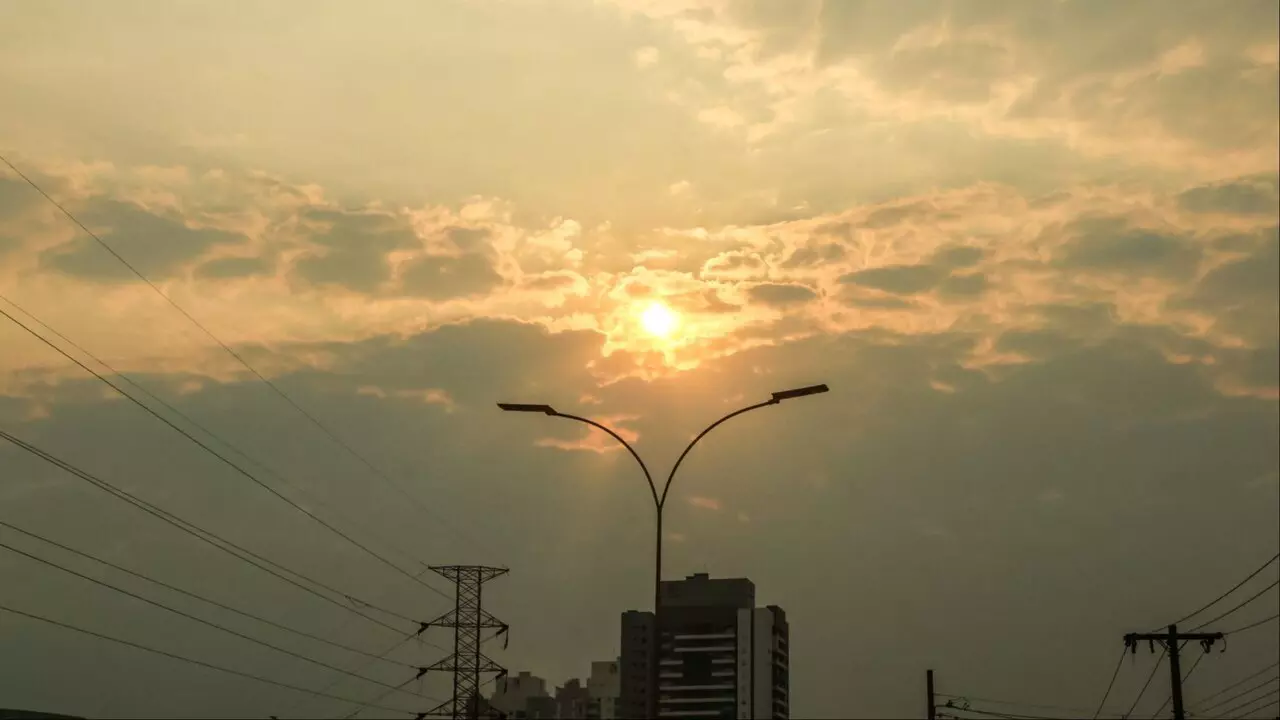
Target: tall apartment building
[604,691]
[635,700]
[720,656]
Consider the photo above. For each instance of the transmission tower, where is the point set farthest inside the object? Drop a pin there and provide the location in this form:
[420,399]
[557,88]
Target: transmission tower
[469,620]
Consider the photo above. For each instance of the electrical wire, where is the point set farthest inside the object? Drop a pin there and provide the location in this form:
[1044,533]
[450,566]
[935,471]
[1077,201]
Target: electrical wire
[372,703]
[203,428]
[1163,651]
[1263,707]
[1251,626]
[275,388]
[1240,682]
[1218,599]
[1112,683]
[1010,716]
[1227,713]
[1239,695]
[1237,607]
[479,687]
[185,659]
[1012,703]
[225,460]
[197,596]
[398,644]
[1194,665]
[215,540]
[189,616]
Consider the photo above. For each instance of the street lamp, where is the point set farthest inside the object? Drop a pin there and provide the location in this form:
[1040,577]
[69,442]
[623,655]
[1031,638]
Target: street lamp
[660,499]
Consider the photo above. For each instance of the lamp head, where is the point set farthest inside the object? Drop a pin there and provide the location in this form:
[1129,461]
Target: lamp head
[528,407]
[800,392]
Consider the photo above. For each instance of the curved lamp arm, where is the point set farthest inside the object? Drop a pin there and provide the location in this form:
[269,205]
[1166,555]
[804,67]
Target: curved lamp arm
[774,400]
[667,487]
[660,500]
[653,489]
[548,410]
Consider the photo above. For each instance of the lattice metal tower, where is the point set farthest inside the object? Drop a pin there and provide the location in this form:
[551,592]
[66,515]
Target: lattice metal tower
[469,621]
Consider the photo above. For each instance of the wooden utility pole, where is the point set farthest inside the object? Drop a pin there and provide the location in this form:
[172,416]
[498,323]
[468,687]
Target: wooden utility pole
[928,683]
[1170,642]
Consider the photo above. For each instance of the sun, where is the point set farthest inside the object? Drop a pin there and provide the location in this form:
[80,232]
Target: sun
[659,320]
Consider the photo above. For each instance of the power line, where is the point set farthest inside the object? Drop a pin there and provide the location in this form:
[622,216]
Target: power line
[366,705]
[1111,684]
[203,428]
[1237,607]
[1264,707]
[1238,683]
[1147,684]
[1013,703]
[234,550]
[200,620]
[991,713]
[337,678]
[1239,695]
[215,603]
[185,659]
[1218,599]
[225,460]
[1169,699]
[275,388]
[1227,713]
[1251,626]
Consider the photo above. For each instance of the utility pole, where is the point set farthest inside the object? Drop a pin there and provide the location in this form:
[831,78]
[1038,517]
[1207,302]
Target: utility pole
[1170,642]
[468,619]
[928,682]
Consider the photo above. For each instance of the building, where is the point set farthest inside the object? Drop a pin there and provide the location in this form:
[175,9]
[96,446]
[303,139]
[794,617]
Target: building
[604,691]
[538,707]
[721,657]
[637,644]
[572,700]
[513,694]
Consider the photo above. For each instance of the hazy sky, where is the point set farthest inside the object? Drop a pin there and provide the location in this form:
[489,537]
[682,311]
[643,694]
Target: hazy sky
[1031,246]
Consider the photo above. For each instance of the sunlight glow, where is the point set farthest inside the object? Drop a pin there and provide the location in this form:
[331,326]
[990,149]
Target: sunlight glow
[659,320]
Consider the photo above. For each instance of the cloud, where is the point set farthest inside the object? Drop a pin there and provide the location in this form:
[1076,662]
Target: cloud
[441,277]
[158,246]
[780,295]
[1112,245]
[351,248]
[1246,196]
[959,257]
[705,503]
[735,265]
[897,279]
[234,267]
[968,285]
[593,440]
[815,256]
[1064,73]
[646,56]
[426,396]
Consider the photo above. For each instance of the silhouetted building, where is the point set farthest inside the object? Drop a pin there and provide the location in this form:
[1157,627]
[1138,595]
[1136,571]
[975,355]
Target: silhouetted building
[637,644]
[538,707]
[572,701]
[721,657]
[604,691]
[513,694]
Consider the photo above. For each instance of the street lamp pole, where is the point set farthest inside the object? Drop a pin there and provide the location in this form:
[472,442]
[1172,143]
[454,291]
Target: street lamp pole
[660,499]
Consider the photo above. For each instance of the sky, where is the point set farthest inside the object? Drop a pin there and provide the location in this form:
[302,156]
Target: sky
[1032,248]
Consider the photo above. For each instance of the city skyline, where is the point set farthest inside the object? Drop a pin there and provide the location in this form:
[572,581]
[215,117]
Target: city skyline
[1033,249]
